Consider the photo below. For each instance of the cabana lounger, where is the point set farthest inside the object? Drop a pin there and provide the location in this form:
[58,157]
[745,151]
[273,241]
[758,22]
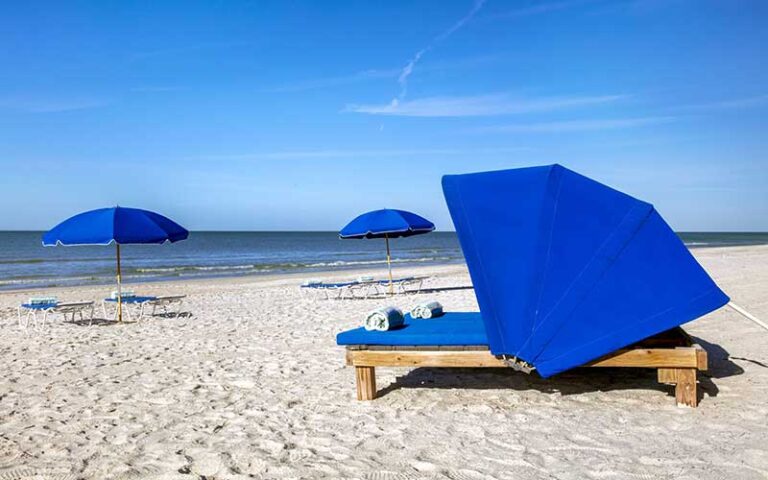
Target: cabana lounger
[567,273]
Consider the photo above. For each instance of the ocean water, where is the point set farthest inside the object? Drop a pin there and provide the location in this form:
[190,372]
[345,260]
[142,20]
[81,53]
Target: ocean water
[25,263]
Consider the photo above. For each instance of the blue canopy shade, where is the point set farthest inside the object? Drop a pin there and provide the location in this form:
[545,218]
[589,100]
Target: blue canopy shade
[115,225]
[567,270]
[386,223]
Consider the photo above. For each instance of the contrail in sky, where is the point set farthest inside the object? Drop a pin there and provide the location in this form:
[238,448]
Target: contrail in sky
[408,69]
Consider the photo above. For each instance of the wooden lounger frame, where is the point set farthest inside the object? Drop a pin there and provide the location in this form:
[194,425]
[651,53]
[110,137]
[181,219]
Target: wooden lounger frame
[671,353]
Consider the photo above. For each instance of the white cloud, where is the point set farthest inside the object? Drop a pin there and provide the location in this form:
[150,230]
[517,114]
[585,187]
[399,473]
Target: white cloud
[328,82]
[578,125]
[31,104]
[736,103]
[377,74]
[478,105]
[541,8]
[406,72]
[154,89]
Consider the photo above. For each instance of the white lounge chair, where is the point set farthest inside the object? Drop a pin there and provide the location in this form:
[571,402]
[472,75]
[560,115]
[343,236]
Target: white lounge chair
[401,285]
[129,302]
[166,302]
[71,308]
[367,287]
[331,290]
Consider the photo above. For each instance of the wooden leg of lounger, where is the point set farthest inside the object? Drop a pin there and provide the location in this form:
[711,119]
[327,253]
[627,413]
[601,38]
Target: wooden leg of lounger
[684,380]
[366,383]
[685,390]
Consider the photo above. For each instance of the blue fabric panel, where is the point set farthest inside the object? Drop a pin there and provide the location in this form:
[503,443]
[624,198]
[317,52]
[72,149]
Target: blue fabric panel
[454,328]
[578,287]
[498,218]
[387,222]
[567,270]
[118,224]
[654,284]
[592,220]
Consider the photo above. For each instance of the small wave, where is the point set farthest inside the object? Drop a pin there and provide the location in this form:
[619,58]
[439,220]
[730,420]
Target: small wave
[163,272]
[194,268]
[31,261]
[282,266]
[48,282]
[22,261]
[347,263]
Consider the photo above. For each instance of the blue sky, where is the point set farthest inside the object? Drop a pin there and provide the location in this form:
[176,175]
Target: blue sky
[299,115]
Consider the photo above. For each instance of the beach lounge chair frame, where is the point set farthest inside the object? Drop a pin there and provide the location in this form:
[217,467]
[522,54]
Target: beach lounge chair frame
[70,308]
[331,291]
[339,291]
[672,353]
[402,285]
[364,289]
[139,302]
[165,303]
[367,289]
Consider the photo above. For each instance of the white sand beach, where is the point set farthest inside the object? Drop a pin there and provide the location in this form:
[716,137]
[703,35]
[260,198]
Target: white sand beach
[252,385]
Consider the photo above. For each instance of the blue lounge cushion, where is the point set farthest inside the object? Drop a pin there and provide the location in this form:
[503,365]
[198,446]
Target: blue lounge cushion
[396,280]
[38,306]
[452,329]
[329,285]
[136,299]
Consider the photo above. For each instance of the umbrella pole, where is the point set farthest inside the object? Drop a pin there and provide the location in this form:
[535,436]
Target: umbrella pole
[389,264]
[119,287]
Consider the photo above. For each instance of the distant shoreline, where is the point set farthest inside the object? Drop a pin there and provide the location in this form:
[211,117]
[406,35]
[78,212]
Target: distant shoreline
[338,274]
[725,232]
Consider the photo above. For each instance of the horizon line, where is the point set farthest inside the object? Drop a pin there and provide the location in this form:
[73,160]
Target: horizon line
[336,231]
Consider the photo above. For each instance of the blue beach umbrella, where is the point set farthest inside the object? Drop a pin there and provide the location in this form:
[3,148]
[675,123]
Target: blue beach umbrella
[386,224]
[118,225]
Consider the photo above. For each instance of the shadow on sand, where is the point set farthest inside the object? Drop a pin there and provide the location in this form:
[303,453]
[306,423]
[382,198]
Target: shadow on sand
[445,289]
[108,322]
[572,382]
[407,294]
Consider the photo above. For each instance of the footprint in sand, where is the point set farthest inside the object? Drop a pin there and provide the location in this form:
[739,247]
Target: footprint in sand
[33,474]
[466,475]
[155,400]
[165,476]
[246,384]
[206,465]
[393,476]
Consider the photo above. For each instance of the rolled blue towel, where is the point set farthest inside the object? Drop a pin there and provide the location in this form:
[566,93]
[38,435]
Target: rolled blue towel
[384,319]
[427,310]
[123,294]
[42,301]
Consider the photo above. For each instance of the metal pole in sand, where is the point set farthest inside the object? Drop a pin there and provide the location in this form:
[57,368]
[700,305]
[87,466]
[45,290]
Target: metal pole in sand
[747,315]
[119,287]
[389,264]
